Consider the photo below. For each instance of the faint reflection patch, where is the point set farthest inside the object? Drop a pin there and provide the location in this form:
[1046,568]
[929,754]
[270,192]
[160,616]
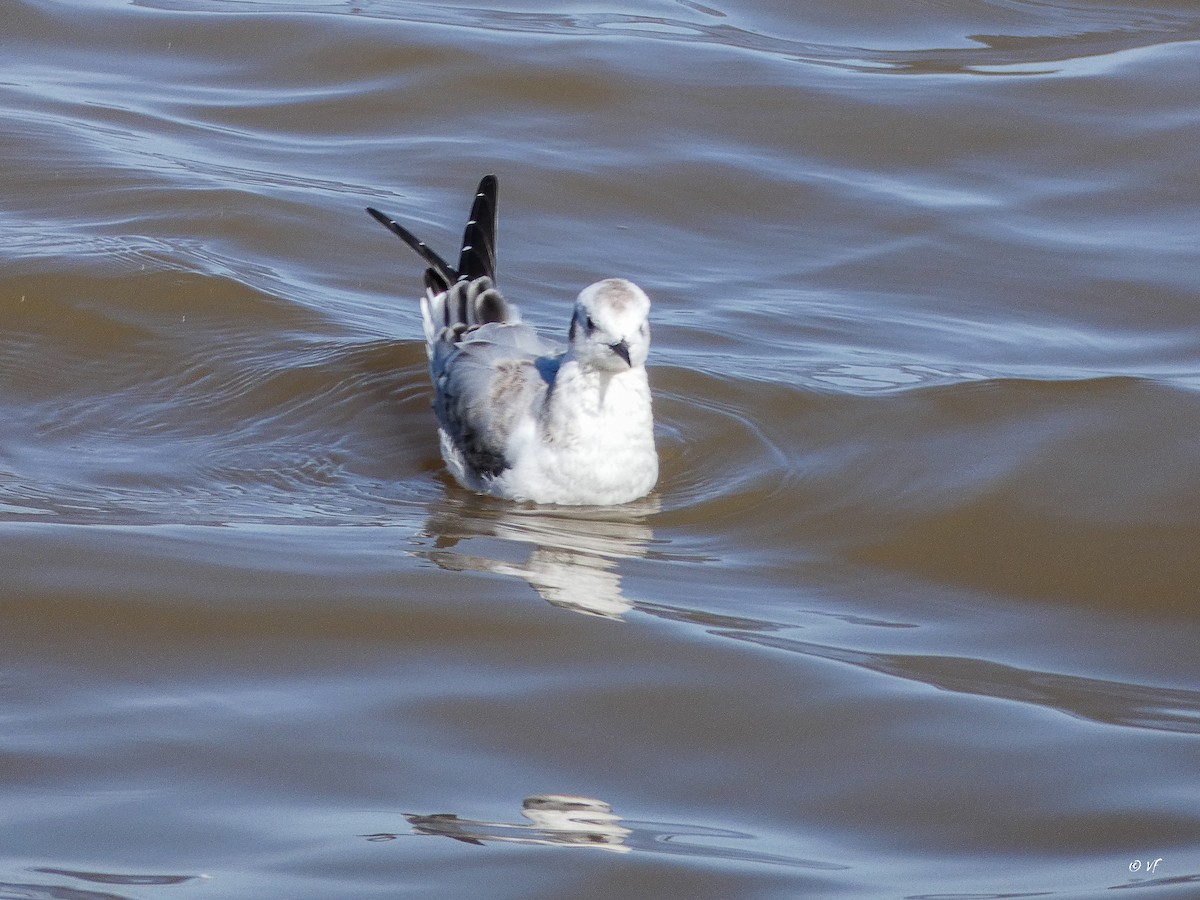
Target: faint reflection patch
[28,891]
[111,878]
[567,821]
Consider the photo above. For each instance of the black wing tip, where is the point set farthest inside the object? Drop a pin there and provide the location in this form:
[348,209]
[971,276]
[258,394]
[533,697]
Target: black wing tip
[478,254]
[443,269]
[388,222]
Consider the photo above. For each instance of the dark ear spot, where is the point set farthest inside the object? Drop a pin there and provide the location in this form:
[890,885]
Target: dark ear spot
[571,333]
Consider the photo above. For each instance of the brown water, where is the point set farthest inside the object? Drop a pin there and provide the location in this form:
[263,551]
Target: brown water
[913,611]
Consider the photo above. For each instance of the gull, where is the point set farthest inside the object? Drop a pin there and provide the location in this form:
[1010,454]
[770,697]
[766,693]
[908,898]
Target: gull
[522,417]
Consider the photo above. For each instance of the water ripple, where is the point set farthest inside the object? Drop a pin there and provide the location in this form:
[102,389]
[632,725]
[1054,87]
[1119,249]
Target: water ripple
[1165,709]
[1070,32]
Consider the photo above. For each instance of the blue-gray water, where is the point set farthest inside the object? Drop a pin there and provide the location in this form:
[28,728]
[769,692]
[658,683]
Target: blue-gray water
[914,609]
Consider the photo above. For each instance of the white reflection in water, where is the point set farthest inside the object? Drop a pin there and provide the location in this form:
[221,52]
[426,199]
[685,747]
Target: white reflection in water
[572,553]
[568,821]
[555,820]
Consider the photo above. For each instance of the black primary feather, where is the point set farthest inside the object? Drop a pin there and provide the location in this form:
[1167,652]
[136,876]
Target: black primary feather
[439,276]
[478,255]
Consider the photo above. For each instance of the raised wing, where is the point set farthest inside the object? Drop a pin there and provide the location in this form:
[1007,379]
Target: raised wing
[476,259]
[491,372]
[440,275]
[478,255]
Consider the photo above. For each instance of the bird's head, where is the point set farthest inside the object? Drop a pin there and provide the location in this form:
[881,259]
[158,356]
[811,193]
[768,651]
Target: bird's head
[610,331]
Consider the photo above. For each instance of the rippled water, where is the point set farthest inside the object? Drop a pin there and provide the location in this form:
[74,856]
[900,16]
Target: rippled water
[913,610]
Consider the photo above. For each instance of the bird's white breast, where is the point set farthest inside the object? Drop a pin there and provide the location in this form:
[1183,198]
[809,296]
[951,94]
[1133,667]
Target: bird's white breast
[593,444]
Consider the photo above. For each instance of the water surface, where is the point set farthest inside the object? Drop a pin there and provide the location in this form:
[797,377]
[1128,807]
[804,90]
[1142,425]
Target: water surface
[913,609]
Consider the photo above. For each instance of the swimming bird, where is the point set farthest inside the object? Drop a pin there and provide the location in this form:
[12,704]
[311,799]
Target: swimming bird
[522,417]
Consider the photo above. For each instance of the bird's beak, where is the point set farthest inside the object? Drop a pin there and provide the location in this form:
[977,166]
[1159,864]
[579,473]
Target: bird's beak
[621,348]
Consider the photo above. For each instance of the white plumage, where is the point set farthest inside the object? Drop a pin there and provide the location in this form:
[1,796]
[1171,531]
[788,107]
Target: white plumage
[522,417]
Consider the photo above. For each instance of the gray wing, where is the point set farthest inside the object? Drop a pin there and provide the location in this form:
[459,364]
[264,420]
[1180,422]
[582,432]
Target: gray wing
[489,380]
[490,371]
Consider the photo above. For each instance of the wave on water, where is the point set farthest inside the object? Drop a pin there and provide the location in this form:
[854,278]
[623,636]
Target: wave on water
[1043,36]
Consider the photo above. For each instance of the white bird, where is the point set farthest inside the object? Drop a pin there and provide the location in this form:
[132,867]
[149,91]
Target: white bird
[521,417]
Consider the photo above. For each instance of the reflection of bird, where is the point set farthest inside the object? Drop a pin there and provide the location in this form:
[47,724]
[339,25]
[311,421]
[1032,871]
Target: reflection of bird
[519,416]
[569,821]
[557,820]
[574,556]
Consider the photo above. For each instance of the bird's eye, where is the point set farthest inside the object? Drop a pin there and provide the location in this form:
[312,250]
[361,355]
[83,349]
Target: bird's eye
[590,325]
